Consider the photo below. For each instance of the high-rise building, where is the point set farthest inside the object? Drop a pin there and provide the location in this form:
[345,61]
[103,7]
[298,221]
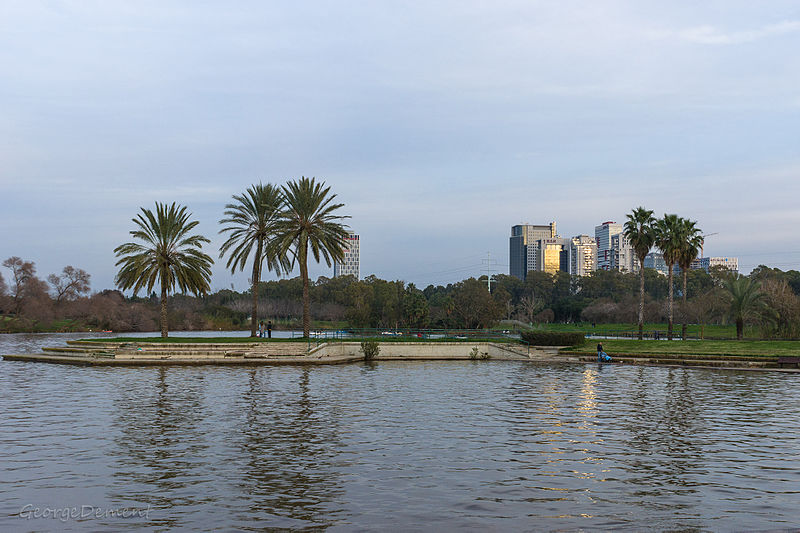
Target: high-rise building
[655,260]
[602,236]
[731,263]
[525,246]
[351,266]
[623,257]
[582,255]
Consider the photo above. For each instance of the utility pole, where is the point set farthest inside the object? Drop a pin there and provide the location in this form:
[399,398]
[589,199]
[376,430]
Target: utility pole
[489,271]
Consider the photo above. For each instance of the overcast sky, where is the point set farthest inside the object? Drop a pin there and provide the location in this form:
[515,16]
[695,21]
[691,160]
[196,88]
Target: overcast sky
[439,124]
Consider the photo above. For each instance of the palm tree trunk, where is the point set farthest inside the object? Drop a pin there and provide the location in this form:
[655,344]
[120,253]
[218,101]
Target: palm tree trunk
[669,305]
[256,279]
[164,329]
[641,297]
[683,311]
[303,260]
[739,328]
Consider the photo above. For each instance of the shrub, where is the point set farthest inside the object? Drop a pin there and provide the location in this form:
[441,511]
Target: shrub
[554,338]
[370,349]
[475,354]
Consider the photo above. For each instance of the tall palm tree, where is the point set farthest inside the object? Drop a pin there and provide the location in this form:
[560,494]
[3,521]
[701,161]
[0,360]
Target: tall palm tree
[251,224]
[640,233]
[668,240]
[692,239]
[745,299]
[168,254]
[308,220]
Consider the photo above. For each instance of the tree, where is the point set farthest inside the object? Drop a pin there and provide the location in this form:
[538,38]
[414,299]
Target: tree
[168,255]
[23,281]
[415,307]
[72,283]
[251,222]
[530,305]
[473,304]
[745,300]
[308,220]
[781,309]
[668,240]
[640,232]
[691,241]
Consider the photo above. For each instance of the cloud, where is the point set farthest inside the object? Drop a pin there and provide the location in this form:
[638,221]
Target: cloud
[707,34]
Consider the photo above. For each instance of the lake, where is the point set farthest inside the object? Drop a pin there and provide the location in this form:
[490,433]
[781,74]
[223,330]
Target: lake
[395,445]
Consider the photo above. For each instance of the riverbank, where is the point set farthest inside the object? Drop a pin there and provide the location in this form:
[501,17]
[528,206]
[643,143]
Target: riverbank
[752,355]
[717,348]
[284,351]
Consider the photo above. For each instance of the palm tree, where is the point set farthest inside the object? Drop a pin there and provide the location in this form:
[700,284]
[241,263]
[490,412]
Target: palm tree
[308,220]
[668,240]
[640,233]
[251,224]
[692,240]
[168,254]
[745,299]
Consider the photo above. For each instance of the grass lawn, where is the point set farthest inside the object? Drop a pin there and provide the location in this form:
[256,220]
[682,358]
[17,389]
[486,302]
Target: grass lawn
[714,348]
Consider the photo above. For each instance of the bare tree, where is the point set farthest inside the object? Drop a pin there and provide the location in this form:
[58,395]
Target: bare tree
[530,306]
[72,283]
[23,277]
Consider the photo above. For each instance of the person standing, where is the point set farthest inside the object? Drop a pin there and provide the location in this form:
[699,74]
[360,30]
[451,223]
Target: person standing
[269,329]
[261,329]
[602,357]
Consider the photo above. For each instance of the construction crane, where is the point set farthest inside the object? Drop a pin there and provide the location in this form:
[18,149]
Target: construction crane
[703,241]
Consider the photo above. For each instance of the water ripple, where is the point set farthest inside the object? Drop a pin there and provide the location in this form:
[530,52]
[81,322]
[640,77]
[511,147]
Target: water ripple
[394,445]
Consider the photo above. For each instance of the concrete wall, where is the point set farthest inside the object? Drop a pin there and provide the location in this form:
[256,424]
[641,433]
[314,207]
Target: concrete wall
[425,350]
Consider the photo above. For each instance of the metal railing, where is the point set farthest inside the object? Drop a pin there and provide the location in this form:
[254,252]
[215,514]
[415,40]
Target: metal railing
[320,336]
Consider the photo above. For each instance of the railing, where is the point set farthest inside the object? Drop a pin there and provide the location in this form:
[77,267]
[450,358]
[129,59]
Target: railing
[320,336]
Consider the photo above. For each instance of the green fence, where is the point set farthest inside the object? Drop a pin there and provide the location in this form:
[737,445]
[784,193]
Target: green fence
[318,337]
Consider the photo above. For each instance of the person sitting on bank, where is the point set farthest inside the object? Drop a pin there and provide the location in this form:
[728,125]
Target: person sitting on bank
[602,357]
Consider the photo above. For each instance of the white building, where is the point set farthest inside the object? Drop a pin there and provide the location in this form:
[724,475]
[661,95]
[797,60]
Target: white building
[351,266]
[602,236]
[582,255]
[623,258]
[731,263]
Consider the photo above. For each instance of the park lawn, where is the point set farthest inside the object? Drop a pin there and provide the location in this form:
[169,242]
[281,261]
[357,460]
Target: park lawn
[696,347]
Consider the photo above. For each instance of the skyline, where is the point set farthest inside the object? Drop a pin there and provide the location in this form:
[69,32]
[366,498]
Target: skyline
[454,122]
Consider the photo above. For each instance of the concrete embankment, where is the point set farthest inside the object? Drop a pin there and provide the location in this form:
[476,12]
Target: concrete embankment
[737,362]
[340,352]
[271,353]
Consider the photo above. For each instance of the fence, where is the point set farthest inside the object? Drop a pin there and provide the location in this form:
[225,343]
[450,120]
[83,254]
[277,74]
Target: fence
[318,337]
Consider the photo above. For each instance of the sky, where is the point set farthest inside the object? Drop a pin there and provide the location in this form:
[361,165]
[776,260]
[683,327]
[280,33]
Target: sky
[439,125]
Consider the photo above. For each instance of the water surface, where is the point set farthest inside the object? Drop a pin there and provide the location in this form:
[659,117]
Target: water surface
[400,445]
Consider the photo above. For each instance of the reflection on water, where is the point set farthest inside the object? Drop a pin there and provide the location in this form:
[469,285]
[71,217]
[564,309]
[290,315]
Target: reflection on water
[394,445]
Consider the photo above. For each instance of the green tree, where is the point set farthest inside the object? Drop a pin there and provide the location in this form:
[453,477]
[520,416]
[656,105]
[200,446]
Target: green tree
[669,241]
[250,224]
[745,299]
[473,304]
[691,241]
[640,232]
[415,307]
[168,255]
[308,220]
